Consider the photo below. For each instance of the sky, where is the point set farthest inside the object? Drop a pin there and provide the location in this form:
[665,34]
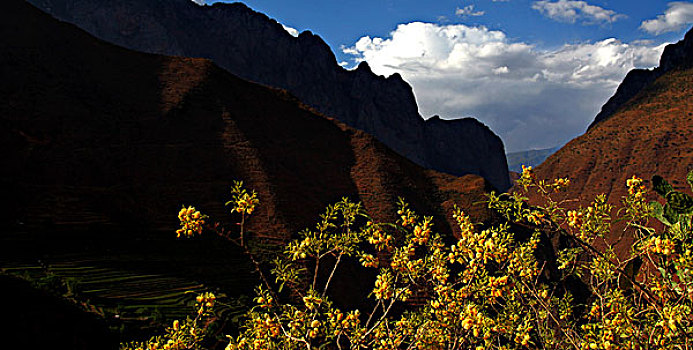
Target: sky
[535,71]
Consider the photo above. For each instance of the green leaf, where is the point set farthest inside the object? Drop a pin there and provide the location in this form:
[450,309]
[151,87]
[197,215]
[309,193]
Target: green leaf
[671,215]
[658,212]
[680,202]
[661,186]
[664,272]
[689,178]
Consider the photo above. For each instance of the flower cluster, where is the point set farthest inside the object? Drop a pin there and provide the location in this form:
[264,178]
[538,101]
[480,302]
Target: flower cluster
[658,245]
[574,218]
[242,201]
[384,286]
[380,238]
[560,183]
[205,302]
[368,260]
[191,222]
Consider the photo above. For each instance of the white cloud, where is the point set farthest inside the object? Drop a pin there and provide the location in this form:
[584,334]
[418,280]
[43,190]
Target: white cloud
[468,11]
[290,30]
[676,17]
[532,98]
[199,2]
[501,70]
[570,11]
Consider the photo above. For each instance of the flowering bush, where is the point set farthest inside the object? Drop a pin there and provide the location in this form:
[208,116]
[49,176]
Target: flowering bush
[494,288]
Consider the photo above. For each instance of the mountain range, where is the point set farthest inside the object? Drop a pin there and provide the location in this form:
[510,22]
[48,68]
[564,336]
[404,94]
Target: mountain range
[103,145]
[100,135]
[257,48]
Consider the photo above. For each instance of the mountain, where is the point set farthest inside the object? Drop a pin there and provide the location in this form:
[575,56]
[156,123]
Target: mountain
[99,136]
[649,134]
[255,47]
[102,145]
[529,158]
[675,56]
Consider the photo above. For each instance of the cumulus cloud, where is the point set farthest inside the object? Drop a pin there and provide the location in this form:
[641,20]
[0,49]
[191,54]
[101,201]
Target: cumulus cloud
[290,30]
[676,17]
[571,11]
[532,98]
[199,2]
[468,11]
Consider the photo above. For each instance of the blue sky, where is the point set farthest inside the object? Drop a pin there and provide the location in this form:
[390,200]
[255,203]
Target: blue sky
[536,72]
[342,23]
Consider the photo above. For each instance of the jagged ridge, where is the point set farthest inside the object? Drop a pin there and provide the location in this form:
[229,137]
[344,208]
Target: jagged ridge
[254,47]
[675,56]
[98,135]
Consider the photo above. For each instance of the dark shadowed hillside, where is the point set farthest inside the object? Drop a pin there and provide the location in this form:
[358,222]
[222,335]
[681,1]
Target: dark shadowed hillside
[96,135]
[102,145]
[38,320]
[254,47]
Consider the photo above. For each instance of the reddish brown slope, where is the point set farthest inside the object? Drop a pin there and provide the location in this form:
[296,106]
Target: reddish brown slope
[95,135]
[651,134]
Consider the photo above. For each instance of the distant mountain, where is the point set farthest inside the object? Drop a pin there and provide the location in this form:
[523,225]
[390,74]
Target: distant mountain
[94,135]
[529,158]
[257,48]
[651,133]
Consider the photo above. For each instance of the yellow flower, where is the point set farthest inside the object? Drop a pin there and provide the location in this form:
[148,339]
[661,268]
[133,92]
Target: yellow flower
[467,323]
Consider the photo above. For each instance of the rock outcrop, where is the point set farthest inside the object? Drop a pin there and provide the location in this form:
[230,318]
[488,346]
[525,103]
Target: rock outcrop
[675,56]
[254,47]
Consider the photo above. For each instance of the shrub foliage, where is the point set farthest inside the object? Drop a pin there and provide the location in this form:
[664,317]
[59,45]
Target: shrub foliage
[498,287]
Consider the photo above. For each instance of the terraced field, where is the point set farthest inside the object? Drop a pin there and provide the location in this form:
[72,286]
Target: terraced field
[137,286]
[118,293]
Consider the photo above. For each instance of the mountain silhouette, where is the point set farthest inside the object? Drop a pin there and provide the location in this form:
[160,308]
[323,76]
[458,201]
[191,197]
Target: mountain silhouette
[97,135]
[257,48]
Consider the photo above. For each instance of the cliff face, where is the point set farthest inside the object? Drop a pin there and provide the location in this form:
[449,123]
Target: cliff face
[466,138]
[99,136]
[675,56]
[254,47]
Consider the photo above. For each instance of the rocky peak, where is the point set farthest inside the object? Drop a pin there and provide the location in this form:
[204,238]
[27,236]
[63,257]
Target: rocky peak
[675,56]
[94,145]
[679,55]
[257,48]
